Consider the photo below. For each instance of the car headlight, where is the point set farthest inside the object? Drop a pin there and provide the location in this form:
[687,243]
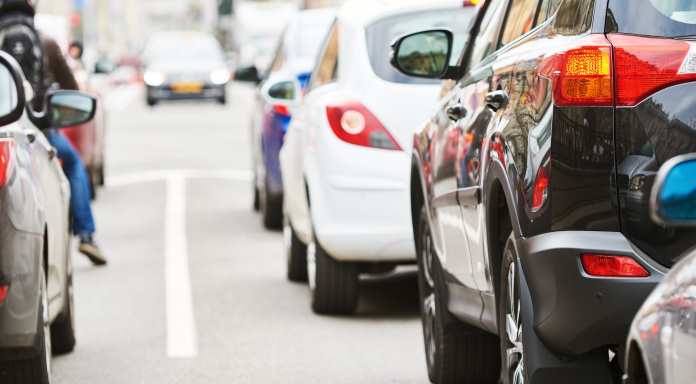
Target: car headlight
[220,76]
[154,78]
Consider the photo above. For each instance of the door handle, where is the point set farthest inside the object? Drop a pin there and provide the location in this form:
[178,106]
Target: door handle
[456,112]
[497,100]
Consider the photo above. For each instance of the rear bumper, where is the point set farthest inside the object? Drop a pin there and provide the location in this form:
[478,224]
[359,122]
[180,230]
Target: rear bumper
[575,313]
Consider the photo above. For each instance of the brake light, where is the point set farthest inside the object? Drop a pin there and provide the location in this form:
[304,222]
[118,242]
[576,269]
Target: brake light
[612,266]
[6,155]
[646,65]
[541,188]
[353,123]
[281,110]
[4,289]
[581,74]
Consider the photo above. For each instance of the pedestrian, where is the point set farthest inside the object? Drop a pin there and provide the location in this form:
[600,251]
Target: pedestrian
[46,57]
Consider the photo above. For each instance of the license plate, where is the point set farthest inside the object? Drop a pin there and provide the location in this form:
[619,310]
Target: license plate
[187,87]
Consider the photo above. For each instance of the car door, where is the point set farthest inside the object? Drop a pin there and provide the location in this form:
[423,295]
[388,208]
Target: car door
[463,121]
[55,197]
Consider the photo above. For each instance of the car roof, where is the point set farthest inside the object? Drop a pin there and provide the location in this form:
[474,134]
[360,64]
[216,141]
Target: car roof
[362,13]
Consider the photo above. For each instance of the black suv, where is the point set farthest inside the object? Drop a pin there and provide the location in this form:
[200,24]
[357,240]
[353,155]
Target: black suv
[531,184]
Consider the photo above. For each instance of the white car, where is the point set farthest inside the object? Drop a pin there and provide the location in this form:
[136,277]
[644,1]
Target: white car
[347,156]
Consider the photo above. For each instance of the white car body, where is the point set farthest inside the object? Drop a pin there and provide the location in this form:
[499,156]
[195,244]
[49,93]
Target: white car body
[359,195]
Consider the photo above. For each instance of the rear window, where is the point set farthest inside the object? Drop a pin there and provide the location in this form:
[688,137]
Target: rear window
[382,33]
[663,18]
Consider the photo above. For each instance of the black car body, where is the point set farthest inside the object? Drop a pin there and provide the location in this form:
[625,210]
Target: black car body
[563,112]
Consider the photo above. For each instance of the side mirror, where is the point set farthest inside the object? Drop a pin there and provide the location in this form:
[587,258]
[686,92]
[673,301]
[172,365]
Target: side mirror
[68,108]
[12,94]
[248,74]
[673,199]
[424,54]
[282,91]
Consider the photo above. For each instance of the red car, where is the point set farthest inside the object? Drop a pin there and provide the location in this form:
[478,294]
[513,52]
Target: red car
[88,140]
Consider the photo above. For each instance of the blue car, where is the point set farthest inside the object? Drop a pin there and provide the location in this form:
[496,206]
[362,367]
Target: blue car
[290,70]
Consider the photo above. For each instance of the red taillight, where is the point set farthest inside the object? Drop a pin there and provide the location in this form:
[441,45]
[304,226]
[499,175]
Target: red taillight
[612,266]
[281,110]
[646,65]
[581,74]
[541,188]
[6,148]
[353,123]
[4,289]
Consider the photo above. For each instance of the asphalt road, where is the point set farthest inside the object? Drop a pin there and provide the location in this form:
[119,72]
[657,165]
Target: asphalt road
[195,290]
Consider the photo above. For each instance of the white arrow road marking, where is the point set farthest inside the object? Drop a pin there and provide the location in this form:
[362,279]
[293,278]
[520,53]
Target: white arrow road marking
[182,338]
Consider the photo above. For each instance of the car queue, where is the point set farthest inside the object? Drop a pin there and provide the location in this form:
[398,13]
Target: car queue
[532,199]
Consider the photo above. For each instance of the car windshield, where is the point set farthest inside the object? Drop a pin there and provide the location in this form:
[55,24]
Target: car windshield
[182,47]
[662,18]
[382,33]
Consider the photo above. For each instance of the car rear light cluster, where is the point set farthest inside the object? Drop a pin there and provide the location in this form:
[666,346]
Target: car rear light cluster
[582,74]
[646,65]
[353,123]
[6,156]
[612,266]
[619,70]
[4,290]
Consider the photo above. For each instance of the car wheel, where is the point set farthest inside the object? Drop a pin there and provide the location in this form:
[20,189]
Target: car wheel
[151,102]
[271,210]
[510,319]
[333,284]
[37,369]
[455,352]
[222,100]
[296,254]
[63,328]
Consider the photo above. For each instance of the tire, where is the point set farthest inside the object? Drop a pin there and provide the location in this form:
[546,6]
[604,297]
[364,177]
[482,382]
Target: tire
[271,211]
[333,284]
[510,319]
[455,352]
[36,369]
[63,327]
[296,254]
[222,100]
[151,102]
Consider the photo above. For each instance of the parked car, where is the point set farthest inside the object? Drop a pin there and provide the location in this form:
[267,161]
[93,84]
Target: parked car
[661,345]
[293,62]
[346,168]
[526,231]
[36,294]
[184,65]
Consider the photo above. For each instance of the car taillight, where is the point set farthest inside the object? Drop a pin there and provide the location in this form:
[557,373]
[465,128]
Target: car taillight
[612,266]
[646,65]
[540,192]
[581,73]
[281,110]
[4,289]
[6,149]
[353,123]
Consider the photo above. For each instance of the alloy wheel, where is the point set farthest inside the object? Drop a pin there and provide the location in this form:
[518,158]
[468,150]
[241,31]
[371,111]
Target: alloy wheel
[513,329]
[46,327]
[428,297]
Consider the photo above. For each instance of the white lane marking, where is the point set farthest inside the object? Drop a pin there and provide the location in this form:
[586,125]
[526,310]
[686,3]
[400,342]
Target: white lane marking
[159,175]
[182,341]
